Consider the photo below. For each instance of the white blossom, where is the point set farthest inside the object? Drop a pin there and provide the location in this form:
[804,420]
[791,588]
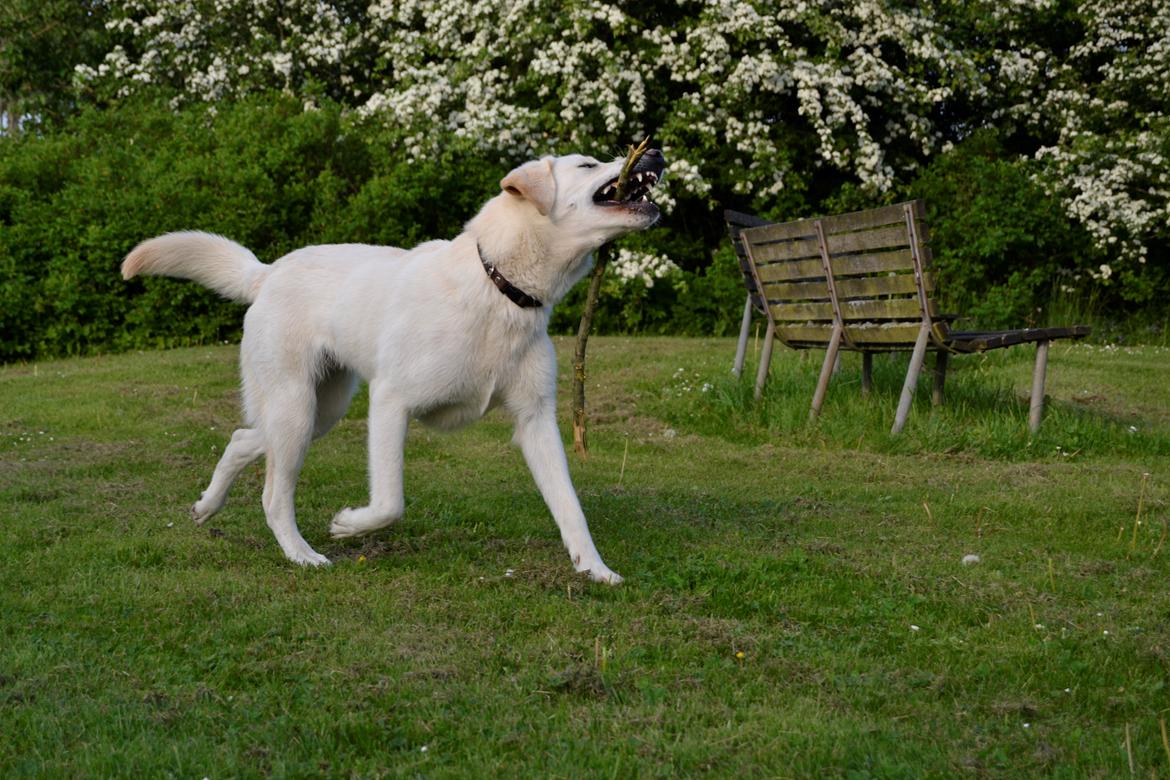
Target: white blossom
[631,266]
[868,82]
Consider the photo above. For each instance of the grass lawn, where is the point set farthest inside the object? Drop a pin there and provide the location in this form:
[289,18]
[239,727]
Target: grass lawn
[796,602]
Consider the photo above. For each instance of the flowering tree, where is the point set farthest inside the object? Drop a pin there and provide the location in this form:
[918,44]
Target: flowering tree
[769,104]
[1088,84]
[723,82]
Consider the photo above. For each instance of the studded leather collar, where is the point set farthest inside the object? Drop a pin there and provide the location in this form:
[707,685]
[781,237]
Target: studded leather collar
[514,293]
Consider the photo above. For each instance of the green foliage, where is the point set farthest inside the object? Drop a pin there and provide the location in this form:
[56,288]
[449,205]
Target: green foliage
[701,302]
[1002,247]
[41,42]
[264,172]
[275,175]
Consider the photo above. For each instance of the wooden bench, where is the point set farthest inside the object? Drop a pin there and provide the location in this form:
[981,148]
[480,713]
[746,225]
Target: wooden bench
[862,282]
[737,222]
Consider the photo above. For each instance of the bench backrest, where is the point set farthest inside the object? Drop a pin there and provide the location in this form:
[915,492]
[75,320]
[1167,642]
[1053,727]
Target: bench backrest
[737,222]
[870,269]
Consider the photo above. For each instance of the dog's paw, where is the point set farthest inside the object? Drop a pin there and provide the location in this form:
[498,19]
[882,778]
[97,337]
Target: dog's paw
[599,572]
[200,514]
[309,557]
[357,522]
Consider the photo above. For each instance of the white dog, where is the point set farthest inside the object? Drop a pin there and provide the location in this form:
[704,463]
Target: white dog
[442,332]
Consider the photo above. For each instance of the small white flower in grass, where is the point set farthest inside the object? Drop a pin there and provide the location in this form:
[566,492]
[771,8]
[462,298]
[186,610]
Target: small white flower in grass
[914,627]
[509,572]
[971,559]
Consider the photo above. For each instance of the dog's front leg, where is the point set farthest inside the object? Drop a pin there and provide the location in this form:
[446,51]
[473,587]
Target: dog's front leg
[540,441]
[387,438]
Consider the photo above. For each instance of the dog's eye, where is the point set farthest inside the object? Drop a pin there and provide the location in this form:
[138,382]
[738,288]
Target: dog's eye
[587,165]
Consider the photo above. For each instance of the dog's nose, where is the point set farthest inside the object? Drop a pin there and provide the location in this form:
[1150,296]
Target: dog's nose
[653,158]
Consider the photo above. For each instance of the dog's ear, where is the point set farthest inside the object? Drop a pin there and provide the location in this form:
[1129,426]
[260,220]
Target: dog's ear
[533,181]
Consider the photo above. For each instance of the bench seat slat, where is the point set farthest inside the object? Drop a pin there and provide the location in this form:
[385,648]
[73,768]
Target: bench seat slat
[981,341]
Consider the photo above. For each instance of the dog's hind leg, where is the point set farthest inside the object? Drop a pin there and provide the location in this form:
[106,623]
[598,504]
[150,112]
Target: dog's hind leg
[287,423]
[247,445]
[387,431]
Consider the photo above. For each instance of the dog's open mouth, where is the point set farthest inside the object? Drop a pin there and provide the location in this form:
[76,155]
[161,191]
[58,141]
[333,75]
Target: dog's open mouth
[645,175]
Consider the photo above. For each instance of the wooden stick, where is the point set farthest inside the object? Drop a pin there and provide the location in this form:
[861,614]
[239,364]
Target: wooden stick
[580,418]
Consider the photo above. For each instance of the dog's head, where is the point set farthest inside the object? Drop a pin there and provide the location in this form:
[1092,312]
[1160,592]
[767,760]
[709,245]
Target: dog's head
[577,193]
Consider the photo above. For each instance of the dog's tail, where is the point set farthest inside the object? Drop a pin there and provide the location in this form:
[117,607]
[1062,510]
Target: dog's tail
[213,261]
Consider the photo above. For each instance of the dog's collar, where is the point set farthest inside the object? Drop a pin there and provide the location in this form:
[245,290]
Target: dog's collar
[514,293]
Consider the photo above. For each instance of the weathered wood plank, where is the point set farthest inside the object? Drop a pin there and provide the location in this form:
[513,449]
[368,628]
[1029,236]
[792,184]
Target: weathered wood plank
[805,335]
[897,261]
[817,290]
[851,311]
[889,309]
[874,334]
[875,286]
[780,231]
[865,220]
[868,240]
[792,270]
[772,252]
[800,312]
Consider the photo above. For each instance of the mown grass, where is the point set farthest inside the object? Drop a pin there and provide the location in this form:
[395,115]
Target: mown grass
[795,605]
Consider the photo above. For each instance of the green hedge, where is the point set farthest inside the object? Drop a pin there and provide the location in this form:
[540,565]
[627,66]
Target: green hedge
[274,177]
[264,173]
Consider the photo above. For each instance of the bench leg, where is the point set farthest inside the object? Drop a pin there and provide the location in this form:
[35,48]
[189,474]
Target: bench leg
[765,359]
[866,374]
[1036,412]
[940,377]
[831,355]
[741,347]
[911,383]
